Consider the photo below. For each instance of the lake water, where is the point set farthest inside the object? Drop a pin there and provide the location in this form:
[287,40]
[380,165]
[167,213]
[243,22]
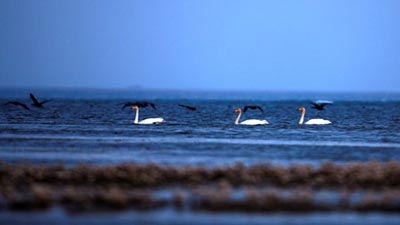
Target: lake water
[87,129]
[89,126]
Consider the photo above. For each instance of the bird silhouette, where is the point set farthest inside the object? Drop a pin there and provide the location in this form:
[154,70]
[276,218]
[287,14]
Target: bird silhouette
[17,104]
[140,104]
[36,103]
[253,107]
[319,105]
[191,108]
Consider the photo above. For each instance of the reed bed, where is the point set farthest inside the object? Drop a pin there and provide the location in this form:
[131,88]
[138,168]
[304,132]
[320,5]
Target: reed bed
[355,175]
[85,187]
[298,200]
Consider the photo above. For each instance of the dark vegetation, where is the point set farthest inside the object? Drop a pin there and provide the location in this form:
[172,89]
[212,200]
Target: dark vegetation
[264,188]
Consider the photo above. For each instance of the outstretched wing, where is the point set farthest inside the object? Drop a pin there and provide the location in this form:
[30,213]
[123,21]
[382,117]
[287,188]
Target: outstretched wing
[188,107]
[23,106]
[127,104]
[253,107]
[325,102]
[321,104]
[34,100]
[152,105]
[316,106]
[144,104]
[139,104]
[18,104]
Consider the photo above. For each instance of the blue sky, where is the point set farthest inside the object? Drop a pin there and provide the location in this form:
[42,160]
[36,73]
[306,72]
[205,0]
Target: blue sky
[199,44]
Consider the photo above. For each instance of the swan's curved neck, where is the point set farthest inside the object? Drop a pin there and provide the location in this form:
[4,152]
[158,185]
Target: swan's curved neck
[136,116]
[238,118]
[303,113]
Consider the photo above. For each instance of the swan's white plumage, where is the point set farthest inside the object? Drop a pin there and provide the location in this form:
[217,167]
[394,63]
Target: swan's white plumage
[317,122]
[253,122]
[151,121]
[312,121]
[146,121]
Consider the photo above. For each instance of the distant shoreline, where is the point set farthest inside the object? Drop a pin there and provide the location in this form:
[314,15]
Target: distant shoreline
[149,93]
[141,88]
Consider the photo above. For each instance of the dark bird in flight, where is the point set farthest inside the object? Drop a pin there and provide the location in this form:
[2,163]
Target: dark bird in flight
[191,108]
[36,103]
[140,104]
[18,104]
[253,107]
[319,105]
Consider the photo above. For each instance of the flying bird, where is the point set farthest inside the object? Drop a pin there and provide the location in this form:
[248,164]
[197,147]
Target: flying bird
[36,103]
[18,104]
[191,108]
[140,104]
[253,107]
[319,105]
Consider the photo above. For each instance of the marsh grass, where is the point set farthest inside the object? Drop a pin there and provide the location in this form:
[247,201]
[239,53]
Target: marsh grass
[267,188]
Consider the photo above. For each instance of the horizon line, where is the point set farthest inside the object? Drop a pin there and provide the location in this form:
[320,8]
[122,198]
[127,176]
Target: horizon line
[140,88]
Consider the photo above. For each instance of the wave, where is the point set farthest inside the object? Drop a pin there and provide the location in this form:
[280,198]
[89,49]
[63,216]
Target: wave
[188,140]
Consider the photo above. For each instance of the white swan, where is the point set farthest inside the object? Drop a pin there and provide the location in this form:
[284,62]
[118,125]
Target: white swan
[146,121]
[251,122]
[312,121]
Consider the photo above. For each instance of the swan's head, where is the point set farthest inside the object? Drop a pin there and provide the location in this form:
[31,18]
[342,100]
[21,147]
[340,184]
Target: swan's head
[238,110]
[301,109]
[135,107]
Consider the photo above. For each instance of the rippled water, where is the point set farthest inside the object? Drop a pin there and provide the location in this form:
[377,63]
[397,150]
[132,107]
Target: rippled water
[57,216]
[90,127]
[89,130]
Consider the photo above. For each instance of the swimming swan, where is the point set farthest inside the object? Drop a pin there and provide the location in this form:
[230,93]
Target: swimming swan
[250,122]
[312,121]
[145,121]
